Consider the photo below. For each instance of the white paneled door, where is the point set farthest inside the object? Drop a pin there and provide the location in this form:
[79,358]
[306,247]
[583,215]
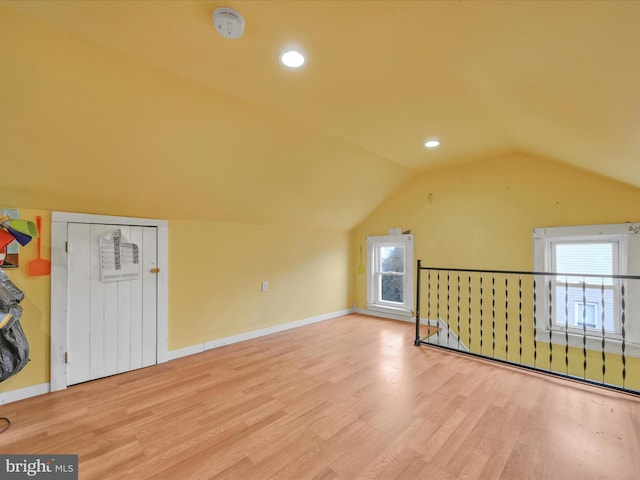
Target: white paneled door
[112,326]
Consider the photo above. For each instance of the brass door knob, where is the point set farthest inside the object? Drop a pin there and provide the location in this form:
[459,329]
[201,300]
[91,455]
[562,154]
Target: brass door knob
[154,270]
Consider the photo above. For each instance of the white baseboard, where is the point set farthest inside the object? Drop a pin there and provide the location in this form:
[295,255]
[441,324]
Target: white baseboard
[186,351]
[22,393]
[221,342]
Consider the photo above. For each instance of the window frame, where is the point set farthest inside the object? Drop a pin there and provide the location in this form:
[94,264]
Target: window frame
[619,267]
[628,237]
[374,300]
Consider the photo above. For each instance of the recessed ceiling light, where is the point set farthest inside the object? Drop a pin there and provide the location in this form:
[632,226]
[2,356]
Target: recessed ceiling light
[292,58]
[432,143]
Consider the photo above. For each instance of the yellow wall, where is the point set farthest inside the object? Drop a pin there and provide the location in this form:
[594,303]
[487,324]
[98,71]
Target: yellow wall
[215,275]
[480,215]
[216,270]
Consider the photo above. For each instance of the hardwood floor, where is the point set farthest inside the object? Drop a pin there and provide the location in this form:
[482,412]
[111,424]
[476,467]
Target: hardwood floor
[348,398]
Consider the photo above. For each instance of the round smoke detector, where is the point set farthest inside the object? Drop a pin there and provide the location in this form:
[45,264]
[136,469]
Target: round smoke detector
[228,22]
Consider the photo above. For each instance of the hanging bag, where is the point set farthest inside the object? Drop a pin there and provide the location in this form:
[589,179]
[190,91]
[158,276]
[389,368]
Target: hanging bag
[14,348]
[9,293]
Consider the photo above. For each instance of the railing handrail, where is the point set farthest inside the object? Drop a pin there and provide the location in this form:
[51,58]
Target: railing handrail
[539,304]
[526,272]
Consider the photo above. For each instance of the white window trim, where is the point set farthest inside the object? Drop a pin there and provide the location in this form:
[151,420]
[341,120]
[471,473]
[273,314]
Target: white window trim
[406,310]
[629,236]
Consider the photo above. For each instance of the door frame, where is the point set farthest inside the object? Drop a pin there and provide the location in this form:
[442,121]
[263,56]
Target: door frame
[59,294]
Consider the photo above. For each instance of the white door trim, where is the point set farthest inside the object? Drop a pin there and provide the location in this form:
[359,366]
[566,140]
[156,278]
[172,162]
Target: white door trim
[59,221]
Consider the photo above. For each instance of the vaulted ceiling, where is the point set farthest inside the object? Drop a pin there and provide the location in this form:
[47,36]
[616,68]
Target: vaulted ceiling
[324,144]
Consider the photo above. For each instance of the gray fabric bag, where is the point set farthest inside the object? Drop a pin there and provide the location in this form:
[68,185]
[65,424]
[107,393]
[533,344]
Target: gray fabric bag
[14,347]
[9,293]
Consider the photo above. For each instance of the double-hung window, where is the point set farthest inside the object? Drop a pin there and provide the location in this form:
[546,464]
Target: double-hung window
[589,301]
[390,274]
[586,299]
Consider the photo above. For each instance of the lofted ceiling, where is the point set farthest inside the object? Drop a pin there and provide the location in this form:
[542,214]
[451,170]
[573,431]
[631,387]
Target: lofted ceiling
[555,79]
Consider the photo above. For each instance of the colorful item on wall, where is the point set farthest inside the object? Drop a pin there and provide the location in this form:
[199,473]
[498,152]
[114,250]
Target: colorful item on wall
[39,266]
[14,232]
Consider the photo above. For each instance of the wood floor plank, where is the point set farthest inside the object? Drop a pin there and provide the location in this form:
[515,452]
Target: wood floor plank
[344,399]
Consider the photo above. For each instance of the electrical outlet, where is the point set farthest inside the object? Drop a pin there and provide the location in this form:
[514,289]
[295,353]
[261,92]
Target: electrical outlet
[265,286]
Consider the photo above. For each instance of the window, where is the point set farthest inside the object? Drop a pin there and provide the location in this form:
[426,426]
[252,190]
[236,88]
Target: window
[577,298]
[390,274]
[585,303]
[586,315]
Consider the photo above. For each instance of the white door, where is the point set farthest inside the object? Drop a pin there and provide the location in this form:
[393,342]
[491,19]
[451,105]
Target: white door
[111,326]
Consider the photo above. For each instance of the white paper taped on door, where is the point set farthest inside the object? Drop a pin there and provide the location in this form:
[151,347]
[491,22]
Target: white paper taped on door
[119,259]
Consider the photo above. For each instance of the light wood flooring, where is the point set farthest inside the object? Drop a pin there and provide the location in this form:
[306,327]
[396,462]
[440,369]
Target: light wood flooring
[348,398]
